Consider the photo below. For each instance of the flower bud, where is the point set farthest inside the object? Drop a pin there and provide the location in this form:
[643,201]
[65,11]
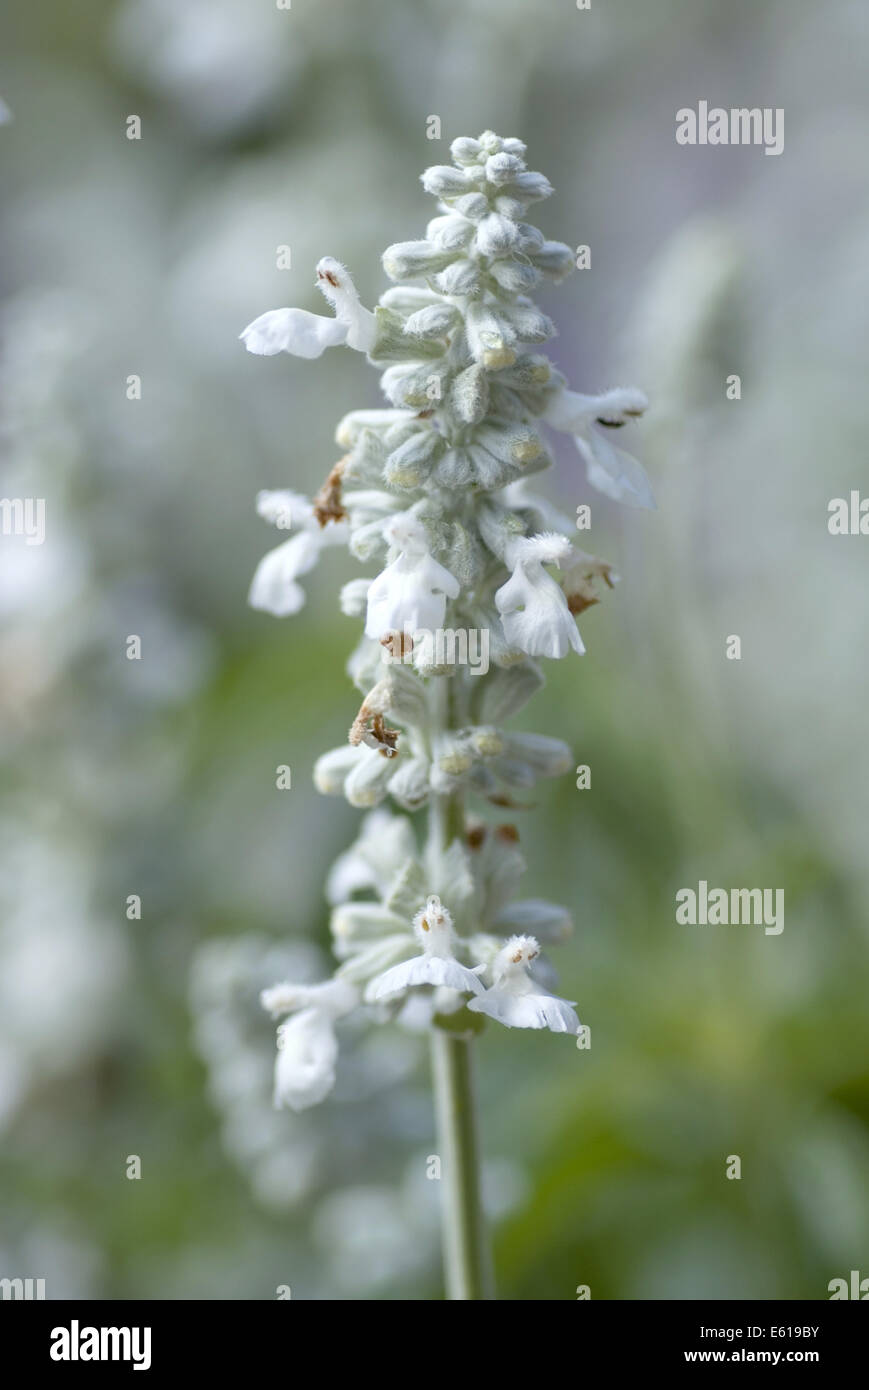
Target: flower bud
[554,259]
[514,208]
[407,260]
[518,444]
[353,923]
[513,771]
[472,205]
[499,527]
[433,321]
[404,695]
[549,757]
[496,235]
[445,182]
[354,597]
[505,691]
[530,187]
[351,427]
[469,394]
[454,470]
[487,742]
[489,337]
[503,168]
[410,464]
[410,784]
[548,922]
[529,324]
[366,782]
[418,384]
[514,276]
[406,299]
[465,150]
[391,344]
[531,370]
[528,238]
[462,277]
[332,769]
[451,233]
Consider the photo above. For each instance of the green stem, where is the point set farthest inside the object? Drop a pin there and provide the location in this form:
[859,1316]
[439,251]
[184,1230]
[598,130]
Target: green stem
[467,1267]
[467,1264]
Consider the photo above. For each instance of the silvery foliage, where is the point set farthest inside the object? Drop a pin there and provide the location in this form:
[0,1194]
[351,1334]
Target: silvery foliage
[431,493]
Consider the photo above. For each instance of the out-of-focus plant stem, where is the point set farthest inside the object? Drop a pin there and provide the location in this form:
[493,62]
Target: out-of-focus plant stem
[467,1259]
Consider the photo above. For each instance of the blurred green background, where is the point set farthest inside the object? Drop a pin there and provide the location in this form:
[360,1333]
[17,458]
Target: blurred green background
[263,127]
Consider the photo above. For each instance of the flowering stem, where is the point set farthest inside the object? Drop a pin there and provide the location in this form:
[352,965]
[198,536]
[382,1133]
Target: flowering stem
[467,1267]
[467,1262]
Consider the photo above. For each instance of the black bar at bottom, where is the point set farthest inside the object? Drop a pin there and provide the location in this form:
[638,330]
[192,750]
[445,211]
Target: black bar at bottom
[160,1338]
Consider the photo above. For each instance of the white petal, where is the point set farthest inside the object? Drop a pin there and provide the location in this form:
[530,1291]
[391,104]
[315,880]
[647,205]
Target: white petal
[527,1010]
[333,998]
[423,970]
[535,615]
[305,1064]
[410,595]
[615,473]
[273,588]
[335,282]
[571,411]
[293,330]
[361,329]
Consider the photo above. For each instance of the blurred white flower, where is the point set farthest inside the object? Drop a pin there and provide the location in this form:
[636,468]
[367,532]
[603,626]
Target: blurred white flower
[612,471]
[273,587]
[222,61]
[307,1046]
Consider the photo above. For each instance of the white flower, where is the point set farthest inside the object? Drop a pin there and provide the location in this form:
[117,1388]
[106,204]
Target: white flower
[307,1046]
[308,335]
[411,593]
[433,928]
[515,1000]
[384,840]
[610,470]
[534,611]
[273,587]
